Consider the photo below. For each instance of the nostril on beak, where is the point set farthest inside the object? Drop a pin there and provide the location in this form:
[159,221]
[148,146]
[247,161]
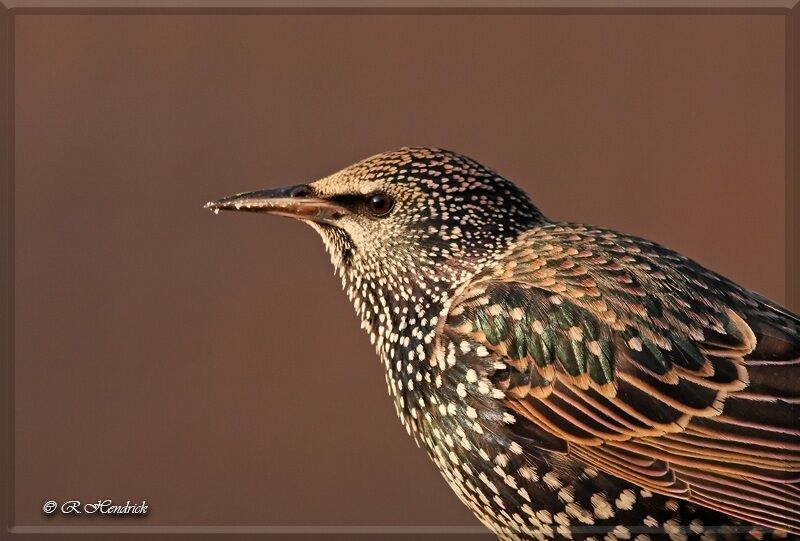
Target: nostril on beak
[302,190]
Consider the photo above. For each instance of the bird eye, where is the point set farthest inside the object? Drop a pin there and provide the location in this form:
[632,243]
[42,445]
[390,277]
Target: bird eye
[380,204]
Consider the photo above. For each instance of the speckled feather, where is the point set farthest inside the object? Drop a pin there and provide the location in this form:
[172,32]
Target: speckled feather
[570,382]
[616,353]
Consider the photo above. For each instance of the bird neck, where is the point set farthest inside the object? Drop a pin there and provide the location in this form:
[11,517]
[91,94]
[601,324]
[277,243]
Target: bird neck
[400,310]
[401,295]
[400,316]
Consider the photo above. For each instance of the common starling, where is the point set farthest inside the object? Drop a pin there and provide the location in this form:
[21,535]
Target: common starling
[569,381]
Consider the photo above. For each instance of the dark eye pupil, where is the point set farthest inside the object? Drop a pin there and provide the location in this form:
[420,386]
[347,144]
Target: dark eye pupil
[380,204]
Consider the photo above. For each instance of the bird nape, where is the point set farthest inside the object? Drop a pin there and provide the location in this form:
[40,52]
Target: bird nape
[569,381]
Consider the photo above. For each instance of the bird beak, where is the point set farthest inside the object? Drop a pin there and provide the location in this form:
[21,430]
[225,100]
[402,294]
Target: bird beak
[293,201]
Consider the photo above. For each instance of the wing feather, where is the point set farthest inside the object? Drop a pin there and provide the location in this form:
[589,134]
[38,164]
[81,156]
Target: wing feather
[646,366]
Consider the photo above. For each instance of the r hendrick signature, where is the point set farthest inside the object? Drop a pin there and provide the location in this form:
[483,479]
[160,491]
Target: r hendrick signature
[101,507]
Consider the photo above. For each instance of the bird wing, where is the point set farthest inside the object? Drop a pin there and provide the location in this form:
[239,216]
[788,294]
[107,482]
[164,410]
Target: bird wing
[645,365]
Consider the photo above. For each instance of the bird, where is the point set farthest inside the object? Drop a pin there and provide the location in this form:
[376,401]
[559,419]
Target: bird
[569,381]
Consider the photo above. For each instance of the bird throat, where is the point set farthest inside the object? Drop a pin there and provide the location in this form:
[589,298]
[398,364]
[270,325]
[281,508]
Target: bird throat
[400,307]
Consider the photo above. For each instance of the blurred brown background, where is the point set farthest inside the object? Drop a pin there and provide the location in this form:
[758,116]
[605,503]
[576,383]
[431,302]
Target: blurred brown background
[211,365]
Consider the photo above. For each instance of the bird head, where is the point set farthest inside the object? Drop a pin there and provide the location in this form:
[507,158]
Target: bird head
[414,215]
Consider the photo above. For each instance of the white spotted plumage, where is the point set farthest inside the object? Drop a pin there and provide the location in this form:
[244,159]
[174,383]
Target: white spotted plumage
[453,220]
